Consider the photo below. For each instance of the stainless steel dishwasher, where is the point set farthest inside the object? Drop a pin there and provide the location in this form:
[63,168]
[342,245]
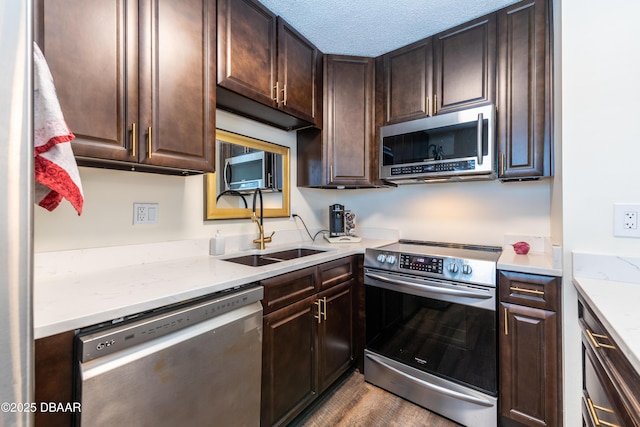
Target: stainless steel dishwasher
[196,363]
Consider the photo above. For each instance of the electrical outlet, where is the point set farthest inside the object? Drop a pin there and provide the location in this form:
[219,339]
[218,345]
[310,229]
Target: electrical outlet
[630,220]
[145,213]
[625,220]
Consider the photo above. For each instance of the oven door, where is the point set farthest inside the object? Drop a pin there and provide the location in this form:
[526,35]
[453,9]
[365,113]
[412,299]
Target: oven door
[433,338]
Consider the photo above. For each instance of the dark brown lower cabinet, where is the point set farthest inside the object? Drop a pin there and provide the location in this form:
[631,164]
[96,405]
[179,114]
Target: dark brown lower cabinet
[610,384]
[307,344]
[53,360]
[288,372]
[530,378]
[335,334]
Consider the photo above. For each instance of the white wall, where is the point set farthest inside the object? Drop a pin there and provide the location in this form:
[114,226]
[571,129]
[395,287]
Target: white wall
[601,143]
[470,212]
[600,146]
[480,212]
[107,218]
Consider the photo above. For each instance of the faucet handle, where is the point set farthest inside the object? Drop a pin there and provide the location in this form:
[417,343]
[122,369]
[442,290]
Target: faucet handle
[268,239]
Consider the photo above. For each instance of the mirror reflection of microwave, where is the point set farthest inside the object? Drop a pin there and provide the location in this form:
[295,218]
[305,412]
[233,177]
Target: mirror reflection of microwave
[259,169]
[450,146]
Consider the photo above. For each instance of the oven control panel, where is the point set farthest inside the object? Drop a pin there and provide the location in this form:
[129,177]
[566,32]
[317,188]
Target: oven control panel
[428,264]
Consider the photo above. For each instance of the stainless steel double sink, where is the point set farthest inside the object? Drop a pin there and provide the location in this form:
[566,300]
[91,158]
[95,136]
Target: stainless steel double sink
[258,260]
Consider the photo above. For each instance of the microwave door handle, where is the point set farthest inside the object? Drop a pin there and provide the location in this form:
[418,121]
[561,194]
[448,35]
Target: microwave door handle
[480,123]
[227,175]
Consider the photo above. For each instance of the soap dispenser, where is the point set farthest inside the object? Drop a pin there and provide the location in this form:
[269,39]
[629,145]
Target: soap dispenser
[216,245]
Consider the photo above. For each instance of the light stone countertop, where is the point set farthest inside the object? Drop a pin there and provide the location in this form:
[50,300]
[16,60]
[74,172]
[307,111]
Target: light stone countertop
[611,287]
[79,288]
[533,263]
[76,289]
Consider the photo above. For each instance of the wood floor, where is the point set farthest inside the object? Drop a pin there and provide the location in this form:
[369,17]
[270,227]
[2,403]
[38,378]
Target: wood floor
[356,403]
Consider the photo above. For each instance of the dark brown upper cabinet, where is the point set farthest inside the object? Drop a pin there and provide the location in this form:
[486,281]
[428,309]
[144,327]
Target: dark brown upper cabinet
[135,80]
[271,66]
[408,75]
[449,71]
[343,152]
[464,60]
[524,91]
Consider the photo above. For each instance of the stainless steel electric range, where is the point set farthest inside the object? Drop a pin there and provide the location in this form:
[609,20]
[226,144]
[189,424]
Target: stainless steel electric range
[431,327]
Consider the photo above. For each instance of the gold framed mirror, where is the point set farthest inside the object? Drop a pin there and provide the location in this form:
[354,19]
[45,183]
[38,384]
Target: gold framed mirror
[242,165]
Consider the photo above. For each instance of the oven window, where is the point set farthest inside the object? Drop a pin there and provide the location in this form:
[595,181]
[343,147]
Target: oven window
[450,340]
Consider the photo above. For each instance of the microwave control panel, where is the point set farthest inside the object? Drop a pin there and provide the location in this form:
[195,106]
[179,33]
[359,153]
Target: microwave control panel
[460,165]
[422,263]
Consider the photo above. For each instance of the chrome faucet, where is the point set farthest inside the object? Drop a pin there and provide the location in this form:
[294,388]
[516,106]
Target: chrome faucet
[260,241]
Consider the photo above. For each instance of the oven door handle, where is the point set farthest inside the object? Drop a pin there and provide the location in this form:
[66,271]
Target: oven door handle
[426,288]
[434,387]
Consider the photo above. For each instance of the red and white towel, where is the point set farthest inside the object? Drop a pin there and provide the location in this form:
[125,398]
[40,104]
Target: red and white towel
[56,171]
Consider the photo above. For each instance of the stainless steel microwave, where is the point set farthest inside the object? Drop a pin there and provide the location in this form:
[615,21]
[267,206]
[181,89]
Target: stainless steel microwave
[259,169]
[446,147]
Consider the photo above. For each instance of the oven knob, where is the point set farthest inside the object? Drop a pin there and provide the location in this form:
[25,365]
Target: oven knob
[381,258]
[391,259]
[466,269]
[453,268]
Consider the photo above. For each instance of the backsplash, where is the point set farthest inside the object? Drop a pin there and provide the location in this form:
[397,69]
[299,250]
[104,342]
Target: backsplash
[606,267]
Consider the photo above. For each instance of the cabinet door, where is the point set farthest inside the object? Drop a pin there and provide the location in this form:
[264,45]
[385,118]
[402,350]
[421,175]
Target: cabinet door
[297,73]
[464,59]
[349,123]
[177,89]
[91,48]
[408,77]
[335,333]
[53,362]
[523,91]
[247,49]
[529,367]
[289,380]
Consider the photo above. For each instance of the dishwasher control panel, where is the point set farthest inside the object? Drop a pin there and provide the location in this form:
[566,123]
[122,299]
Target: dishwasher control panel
[120,334]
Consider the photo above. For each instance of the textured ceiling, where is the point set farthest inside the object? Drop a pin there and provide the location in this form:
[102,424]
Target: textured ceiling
[373,27]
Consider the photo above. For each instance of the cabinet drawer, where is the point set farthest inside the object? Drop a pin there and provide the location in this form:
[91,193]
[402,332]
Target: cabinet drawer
[334,272]
[286,289]
[600,403]
[531,290]
[612,367]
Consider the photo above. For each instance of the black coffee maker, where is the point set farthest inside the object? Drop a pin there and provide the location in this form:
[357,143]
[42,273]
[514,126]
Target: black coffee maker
[336,221]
